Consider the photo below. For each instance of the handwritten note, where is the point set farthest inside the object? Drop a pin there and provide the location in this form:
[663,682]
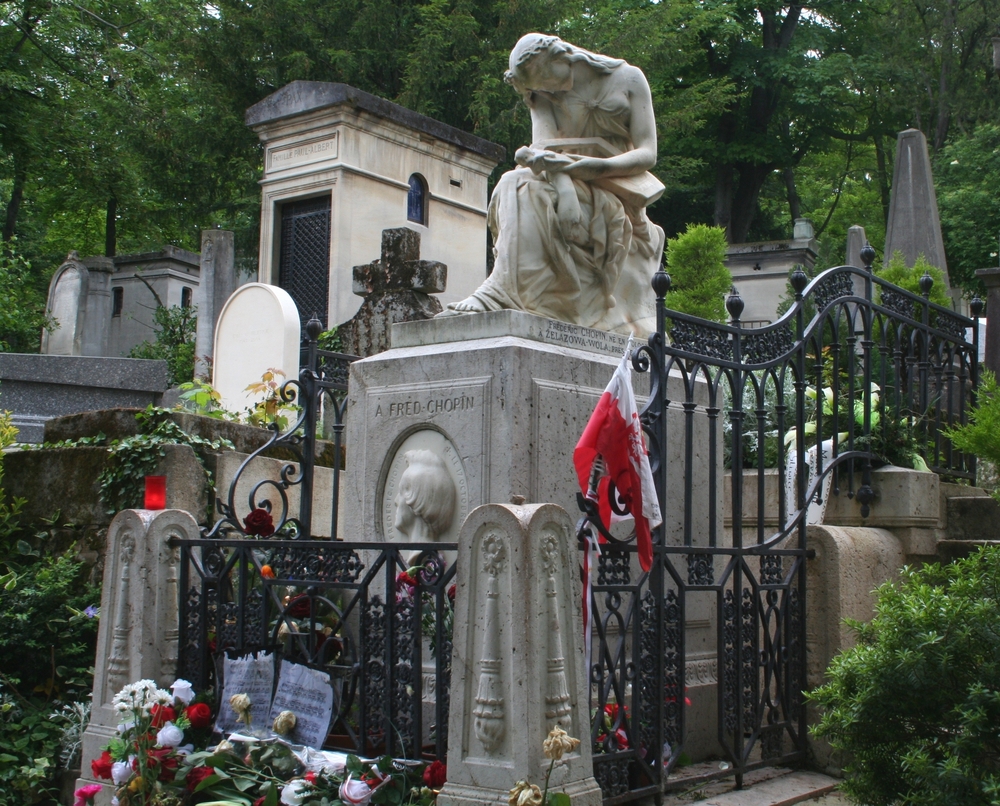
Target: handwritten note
[307,693]
[252,675]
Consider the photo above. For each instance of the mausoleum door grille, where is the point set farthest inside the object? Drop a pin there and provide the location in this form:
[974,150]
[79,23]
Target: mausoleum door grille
[703,655]
[304,265]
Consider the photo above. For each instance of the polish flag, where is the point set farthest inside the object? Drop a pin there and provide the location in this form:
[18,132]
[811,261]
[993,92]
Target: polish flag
[615,434]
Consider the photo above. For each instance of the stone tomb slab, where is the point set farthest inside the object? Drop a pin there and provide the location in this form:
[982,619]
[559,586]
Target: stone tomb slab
[504,400]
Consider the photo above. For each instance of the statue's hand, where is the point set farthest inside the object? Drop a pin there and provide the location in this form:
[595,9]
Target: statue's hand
[586,168]
[571,222]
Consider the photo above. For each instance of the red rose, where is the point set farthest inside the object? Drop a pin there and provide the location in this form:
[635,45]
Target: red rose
[101,767]
[259,523]
[311,777]
[167,761]
[404,578]
[162,714]
[199,715]
[299,607]
[451,593]
[435,775]
[196,776]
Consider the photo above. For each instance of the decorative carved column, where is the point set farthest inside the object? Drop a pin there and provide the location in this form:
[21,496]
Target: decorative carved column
[137,637]
[517,656]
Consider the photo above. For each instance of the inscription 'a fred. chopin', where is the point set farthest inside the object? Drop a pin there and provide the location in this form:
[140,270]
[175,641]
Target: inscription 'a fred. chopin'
[430,406]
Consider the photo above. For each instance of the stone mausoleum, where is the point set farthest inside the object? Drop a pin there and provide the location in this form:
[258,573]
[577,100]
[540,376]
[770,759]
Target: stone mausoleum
[340,166]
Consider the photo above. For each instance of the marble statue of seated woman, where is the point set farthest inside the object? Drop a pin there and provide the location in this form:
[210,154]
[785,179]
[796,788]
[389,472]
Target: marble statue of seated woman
[571,238]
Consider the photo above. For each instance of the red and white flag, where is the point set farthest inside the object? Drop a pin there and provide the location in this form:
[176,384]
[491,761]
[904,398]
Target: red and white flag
[615,434]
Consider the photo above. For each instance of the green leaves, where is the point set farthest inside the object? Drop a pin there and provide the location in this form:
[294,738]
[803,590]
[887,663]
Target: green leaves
[916,702]
[698,273]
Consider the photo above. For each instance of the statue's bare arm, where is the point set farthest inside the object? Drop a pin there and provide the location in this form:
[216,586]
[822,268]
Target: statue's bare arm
[642,129]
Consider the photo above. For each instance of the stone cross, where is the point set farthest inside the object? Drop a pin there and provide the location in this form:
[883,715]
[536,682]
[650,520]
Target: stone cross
[396,288]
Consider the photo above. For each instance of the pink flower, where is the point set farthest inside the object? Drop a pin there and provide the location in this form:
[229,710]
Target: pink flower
[86,794]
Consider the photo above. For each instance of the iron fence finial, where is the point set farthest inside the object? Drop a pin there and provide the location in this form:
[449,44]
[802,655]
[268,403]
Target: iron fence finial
[868,255]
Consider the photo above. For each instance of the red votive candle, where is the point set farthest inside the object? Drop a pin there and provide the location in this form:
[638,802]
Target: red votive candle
[156,492]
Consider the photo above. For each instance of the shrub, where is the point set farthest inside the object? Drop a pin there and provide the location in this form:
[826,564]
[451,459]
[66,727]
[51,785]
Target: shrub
[49,637]
[981,435]
[699,279]
[916,702]
[174,342]
[30,740]
[22,315]
[908,278]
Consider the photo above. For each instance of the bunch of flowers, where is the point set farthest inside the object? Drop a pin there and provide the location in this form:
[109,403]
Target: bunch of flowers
[272,774]
[153,762]
[143,760]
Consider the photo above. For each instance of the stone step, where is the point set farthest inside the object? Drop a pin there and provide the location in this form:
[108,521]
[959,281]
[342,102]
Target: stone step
[782,790]
[973,517]
[949,550]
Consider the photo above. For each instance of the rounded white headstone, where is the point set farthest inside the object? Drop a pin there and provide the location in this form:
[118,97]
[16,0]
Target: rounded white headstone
[258,330]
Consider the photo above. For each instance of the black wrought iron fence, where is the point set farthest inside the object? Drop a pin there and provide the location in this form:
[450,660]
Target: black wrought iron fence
[375,618]
[785,415]
[320,389]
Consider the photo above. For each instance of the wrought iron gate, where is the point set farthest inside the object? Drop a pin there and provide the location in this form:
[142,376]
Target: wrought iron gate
[857,372]
[304,268]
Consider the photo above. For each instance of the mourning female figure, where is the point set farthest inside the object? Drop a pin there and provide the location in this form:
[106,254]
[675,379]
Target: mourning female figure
[572,240]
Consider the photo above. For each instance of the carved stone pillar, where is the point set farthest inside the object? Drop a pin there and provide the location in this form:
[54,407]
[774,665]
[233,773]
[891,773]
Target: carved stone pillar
[517,657]
[137,638]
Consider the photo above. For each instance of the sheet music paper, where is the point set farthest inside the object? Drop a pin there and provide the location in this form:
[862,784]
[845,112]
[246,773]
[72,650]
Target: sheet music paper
[252,675]
[307,693]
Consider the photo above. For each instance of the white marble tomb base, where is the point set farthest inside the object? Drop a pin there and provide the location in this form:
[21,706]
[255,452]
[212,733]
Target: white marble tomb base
[503,397]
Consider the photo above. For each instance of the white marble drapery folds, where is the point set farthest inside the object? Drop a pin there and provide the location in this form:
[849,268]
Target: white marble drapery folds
[590,267]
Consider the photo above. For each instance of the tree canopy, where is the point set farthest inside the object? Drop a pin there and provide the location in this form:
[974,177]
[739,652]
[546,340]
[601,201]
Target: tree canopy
[121,121]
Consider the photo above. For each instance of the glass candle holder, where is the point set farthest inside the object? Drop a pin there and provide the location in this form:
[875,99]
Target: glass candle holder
[156,492]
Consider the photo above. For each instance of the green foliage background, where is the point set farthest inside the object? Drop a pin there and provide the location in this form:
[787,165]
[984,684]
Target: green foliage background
[133,111]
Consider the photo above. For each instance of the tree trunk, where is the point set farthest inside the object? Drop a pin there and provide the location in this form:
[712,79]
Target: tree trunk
[794,202]
[14,205]
[111,228]
[947,59]
[752,178]
[724,197]
[883,177]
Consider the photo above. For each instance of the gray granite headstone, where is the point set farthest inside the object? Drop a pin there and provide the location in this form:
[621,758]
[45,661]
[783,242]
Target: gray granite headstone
[217,283]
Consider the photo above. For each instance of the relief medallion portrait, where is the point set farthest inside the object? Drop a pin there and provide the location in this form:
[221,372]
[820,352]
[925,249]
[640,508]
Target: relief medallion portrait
[425,494]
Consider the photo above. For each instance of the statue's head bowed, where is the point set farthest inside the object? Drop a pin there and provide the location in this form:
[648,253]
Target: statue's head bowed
[535,45]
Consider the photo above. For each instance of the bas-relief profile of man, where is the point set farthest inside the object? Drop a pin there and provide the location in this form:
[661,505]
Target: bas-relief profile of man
[572,240]
[425,498]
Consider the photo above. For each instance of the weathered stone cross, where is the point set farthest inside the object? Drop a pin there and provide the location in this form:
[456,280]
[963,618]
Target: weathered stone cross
[396,288]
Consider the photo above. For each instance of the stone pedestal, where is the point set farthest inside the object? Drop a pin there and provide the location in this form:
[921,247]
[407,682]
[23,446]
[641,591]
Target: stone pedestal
[137,638]
[517,656]
[502,398]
